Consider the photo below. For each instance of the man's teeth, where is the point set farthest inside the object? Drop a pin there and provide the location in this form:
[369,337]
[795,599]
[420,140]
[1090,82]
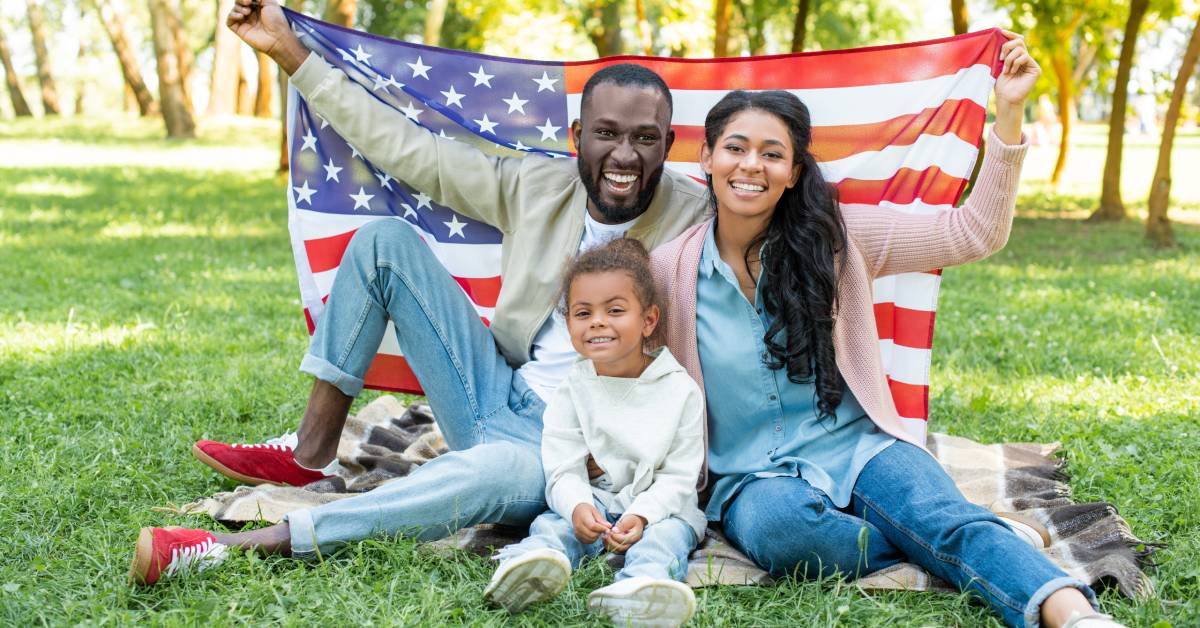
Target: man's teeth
[600,339]
[620,178]
[749,187]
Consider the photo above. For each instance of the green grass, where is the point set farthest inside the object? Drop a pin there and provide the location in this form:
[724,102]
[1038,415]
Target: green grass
[149,300]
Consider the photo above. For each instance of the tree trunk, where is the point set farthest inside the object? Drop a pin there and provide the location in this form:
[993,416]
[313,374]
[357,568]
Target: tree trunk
[341,12]
[435,14]
[170,93]
[187,59]
[645,35]
[958,10]
[800,28]
[131,103]
[1111,205]
[245,106]
[38,29]
[20,107]
[606,35]
[283,117]
[115,27]
[723,14]
[1158,226]
[1061,65]
[262,96]
[227,64]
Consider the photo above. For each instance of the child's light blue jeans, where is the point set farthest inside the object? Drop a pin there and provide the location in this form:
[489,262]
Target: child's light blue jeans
[662,552]
[489,416]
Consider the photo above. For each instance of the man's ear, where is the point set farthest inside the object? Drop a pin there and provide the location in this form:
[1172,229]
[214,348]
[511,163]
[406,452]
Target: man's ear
[576,133]
[705,158]
[670,141]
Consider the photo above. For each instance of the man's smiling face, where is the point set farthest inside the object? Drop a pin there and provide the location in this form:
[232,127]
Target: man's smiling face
[622,138]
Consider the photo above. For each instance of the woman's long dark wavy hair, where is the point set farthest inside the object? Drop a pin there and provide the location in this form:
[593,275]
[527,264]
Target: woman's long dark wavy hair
[802,248]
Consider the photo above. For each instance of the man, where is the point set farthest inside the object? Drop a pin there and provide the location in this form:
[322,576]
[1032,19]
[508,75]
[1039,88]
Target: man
[486,386]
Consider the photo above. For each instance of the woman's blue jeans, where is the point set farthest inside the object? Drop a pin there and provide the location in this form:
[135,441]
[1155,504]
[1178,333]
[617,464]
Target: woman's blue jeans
[490,418]
[904,508]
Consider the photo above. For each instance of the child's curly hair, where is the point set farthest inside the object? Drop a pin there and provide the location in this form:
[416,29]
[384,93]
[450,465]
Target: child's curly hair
[624,255]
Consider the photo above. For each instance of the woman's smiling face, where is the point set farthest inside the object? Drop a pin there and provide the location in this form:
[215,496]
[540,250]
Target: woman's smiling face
[751,163]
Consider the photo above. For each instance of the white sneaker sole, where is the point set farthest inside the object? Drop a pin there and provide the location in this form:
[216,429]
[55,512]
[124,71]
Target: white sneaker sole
[654,604]
[529,579]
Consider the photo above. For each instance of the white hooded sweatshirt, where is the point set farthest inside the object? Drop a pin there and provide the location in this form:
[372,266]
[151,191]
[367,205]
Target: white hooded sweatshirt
[647,433]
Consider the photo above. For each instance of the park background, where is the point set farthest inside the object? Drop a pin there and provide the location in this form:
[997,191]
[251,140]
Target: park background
[148,296]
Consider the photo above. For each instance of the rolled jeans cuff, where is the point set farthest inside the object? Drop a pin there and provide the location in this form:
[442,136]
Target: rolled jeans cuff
[1033,610]
[325,371]
[303,533]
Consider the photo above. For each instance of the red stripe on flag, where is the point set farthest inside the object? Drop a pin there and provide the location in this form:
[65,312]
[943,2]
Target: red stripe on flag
[930,185]
[813,70]
[391,372]
[963,118]
[326,253]
[912,400]
[906,327]
[482,290]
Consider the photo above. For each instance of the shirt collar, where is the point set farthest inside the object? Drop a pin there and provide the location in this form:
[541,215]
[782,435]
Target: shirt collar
[710,258]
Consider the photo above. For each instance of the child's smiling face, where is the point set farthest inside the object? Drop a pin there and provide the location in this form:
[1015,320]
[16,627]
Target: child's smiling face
[608,324]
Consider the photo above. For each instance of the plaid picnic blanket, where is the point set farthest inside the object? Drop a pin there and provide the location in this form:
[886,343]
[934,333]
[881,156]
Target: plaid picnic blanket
[1089,541]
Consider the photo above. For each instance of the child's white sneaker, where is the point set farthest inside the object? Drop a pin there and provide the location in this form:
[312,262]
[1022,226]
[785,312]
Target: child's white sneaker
[643,601]
[532,577]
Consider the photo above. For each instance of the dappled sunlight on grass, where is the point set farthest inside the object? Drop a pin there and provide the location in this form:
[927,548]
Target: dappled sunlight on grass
[27,341]
[133,230]
[52,187]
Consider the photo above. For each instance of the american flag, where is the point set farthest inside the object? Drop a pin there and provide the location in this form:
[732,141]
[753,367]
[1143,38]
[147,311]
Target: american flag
[893,125]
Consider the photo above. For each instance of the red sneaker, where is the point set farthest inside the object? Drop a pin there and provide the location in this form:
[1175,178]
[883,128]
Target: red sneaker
[271,462]
[165,552]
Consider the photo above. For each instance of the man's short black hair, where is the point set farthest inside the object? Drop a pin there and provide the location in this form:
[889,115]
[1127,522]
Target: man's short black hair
[628,74]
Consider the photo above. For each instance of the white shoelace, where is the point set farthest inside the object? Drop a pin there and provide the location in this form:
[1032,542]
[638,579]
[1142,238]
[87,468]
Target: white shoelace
[201,556]
[281,443]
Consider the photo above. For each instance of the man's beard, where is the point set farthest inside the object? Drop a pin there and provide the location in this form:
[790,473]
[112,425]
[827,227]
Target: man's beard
[615,214]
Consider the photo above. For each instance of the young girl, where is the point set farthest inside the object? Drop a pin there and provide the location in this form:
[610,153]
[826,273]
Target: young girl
[770,310]
[640,417]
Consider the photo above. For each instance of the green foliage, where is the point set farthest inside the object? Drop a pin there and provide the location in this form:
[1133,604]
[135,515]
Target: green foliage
[150,300]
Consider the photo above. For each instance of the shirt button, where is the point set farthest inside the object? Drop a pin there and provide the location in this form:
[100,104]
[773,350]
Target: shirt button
[772,397]
[778,428]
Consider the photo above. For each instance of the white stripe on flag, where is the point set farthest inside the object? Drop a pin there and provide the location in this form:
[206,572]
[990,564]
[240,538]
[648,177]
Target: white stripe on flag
[949,152]
[905,364]
[837,106]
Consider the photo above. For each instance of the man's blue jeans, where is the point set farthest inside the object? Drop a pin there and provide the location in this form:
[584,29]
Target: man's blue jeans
[904,508]
[662,552]
[490,418]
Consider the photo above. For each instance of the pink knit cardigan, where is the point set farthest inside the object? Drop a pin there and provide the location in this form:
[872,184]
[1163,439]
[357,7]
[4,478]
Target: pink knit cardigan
[881,241]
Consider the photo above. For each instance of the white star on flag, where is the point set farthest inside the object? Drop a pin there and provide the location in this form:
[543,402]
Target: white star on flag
[545,83]
[520,146]
[304,193]
[456,227]
[361,54]
[408,210]
[442,134]
[362,199]
[385,179]
[381,82]
[486,126]
[515,103]
[323,122]
[310,141]
[419,68]
[453,97]
[549,131]
[481,77]
[423,200]
[354,152]
[331,171]
[412,112]
[346,55]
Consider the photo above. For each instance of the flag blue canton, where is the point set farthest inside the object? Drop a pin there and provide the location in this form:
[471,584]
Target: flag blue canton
[506,107]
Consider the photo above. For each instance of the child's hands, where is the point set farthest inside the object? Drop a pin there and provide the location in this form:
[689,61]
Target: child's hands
[627,532]
[588,523]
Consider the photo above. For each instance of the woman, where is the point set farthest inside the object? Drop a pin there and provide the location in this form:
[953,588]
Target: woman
[771,311]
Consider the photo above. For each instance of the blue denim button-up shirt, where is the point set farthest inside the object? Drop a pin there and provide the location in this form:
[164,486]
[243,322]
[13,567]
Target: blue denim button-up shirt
[760,424]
